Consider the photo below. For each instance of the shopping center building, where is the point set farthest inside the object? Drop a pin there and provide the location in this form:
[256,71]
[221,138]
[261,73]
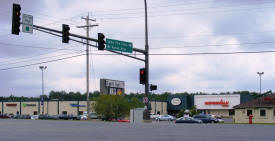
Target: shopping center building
[61,107]
[221,105]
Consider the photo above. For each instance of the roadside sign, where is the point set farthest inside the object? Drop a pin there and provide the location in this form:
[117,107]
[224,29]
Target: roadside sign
[27,23]
[145,100]
[116,45]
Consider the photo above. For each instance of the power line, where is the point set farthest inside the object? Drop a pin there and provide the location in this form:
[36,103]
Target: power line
[152,54]
[198,53]
[28,60]
[184,10]
[189,13]
[31,46]
[22,66]
[215,45]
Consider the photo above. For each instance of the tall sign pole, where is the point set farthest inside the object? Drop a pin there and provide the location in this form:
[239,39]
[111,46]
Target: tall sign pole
[146,58]
[87,26]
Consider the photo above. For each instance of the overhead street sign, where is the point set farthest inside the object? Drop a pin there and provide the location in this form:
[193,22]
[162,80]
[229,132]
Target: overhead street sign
[116,45]
[27,23]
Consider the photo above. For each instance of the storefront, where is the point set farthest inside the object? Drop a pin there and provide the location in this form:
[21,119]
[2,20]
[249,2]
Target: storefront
[262,110]
[221,105]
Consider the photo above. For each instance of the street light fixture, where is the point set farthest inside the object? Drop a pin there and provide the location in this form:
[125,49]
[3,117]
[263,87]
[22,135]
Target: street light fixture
[42,69]
[260,74]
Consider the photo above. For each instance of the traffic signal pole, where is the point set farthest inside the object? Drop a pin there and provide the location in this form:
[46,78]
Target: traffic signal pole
[147,111]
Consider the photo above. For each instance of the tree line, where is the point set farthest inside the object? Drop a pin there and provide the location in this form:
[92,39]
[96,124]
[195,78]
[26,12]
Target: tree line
[66,96]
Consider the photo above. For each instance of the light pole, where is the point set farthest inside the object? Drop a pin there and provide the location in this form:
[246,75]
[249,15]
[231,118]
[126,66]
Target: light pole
[42,69]
[260,74]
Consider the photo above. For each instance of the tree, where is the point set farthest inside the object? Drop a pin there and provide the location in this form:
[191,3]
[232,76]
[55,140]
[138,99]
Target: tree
[180,113]
[112,106]
[194,111]
[135,103]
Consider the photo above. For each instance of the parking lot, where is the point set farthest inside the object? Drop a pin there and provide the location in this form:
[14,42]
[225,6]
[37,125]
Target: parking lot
[52,130]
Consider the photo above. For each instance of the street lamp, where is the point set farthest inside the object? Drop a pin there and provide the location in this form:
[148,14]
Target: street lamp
[42,69]
[260,74]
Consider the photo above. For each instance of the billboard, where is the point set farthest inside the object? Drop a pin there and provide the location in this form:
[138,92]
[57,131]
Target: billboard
[113,87]
[216,101]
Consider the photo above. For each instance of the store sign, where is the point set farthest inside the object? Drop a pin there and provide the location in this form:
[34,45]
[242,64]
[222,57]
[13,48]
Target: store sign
[11,105]
[221,102]
[77,105]
[114,83]
[28,105]
[208,102]
[176,101]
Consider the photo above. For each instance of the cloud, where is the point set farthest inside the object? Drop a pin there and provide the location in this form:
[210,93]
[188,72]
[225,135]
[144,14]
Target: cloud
[206,26]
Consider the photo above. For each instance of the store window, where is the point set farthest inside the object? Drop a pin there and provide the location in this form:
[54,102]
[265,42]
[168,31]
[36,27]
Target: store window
[249,112]
[231,112]
[80,113]
[64,112]
[34,112]
[262,113]
[274,113]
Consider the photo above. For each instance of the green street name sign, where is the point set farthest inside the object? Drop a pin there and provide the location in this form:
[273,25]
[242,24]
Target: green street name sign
[116,45]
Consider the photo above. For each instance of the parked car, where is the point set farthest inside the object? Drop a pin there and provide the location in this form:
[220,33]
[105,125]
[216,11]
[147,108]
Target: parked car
[53,117]
[73,117]
[5,116]
[92,116]
[25,117]
[123,120]
[34,117]
[206,118]
[165,118]
[43,116]
[83,117]
[188,120]
[154,116]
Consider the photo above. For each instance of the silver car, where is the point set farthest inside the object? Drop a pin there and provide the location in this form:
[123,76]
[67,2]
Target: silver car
[165,118]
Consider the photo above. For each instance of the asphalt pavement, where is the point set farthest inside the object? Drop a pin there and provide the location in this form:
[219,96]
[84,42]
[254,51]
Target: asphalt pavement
[50,130]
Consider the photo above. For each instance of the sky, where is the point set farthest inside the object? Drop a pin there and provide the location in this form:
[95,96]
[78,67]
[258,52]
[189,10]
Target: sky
[183,35]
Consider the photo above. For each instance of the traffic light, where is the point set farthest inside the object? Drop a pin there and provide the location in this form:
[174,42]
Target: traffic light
[16,8]
[101,42]
[142,76]
[65,33]
[153,87]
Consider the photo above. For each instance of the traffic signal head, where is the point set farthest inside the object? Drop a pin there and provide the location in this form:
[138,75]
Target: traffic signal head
[101,42]
[153,87]
[142,76]
[65,33]
[16,8]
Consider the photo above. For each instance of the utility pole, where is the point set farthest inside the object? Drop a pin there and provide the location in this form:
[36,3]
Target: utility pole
[42,69]
[260,74]
[146,60]
[87,27]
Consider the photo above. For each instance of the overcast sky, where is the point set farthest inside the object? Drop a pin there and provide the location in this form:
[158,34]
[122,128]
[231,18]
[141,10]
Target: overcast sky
[175,27]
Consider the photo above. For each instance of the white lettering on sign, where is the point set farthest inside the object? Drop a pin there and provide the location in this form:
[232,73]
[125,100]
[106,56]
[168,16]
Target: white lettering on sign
[114,84]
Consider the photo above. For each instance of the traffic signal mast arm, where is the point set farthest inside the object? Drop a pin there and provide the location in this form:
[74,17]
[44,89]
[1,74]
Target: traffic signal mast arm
[50,31]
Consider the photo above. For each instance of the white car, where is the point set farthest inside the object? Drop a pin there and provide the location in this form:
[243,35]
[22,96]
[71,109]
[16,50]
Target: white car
[154,116]
[34,117]
[83,117]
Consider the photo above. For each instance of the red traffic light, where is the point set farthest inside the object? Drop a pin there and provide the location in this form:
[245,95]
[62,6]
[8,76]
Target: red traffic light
[142,76]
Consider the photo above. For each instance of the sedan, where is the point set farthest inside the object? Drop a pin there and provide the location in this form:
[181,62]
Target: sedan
[206,118]
[165,118]
[187,120]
